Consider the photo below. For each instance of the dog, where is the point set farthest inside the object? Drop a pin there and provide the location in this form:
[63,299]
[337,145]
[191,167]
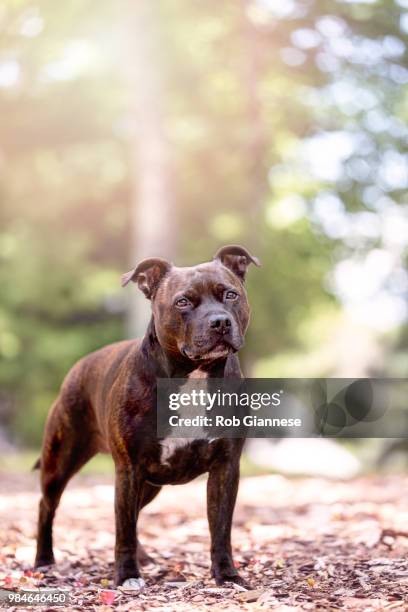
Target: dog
[107,403]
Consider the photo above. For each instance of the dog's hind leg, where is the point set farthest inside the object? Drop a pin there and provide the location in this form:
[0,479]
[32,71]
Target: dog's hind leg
[68,445]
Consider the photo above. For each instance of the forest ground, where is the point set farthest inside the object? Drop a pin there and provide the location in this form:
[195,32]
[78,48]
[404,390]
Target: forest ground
[303,544]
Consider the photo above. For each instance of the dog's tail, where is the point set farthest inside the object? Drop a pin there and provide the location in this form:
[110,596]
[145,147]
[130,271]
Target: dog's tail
[36,465]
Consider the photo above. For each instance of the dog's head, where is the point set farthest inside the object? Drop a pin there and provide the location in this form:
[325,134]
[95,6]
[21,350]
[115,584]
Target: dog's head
[201,312]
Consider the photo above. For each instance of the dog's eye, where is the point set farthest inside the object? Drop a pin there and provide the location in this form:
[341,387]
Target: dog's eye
[182,302]
[231,295]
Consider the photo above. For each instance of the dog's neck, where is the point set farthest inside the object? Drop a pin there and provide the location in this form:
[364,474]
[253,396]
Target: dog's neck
[175,365]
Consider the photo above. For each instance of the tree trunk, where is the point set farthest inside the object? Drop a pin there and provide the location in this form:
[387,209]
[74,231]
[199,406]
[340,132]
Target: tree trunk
[252,66]
[256,142]
[152,205]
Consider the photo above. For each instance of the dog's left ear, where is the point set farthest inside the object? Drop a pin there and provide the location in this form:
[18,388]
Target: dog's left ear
[237,259]
[148,275]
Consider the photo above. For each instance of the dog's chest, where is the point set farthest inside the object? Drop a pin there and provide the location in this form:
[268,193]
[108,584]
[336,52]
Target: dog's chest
[170,447]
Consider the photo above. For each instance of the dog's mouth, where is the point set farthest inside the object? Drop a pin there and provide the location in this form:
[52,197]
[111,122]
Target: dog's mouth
[220,349]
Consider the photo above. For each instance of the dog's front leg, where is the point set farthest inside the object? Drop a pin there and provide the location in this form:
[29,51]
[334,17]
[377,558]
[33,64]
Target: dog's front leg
[222,488]
[128,491]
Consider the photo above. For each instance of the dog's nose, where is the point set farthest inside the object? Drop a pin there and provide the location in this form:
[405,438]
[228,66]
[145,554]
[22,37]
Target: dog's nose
[220,323]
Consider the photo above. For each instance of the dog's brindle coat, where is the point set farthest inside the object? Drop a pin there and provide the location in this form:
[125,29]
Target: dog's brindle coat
[108,399]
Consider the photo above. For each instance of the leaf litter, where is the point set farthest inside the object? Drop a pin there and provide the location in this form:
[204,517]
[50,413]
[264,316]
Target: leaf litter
[302,544]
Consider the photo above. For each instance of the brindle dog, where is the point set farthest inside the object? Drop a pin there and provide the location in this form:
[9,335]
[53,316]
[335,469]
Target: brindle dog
[107,403]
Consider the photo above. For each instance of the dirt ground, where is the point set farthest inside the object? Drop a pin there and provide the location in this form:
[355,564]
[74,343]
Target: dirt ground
[303,544]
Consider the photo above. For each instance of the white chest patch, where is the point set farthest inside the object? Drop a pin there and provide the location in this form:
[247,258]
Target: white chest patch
[170,445]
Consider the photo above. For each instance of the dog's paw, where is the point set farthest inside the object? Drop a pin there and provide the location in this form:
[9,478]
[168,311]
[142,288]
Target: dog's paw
[234,580]
[133,584]
[44,562]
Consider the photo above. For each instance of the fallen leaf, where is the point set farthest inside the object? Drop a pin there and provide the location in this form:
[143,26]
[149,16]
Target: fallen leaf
[107,597]
[250,596]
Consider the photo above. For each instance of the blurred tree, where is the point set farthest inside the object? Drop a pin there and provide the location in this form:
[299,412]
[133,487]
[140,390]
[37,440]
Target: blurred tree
[153,203]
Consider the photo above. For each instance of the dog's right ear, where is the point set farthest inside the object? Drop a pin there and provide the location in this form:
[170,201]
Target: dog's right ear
[148,275]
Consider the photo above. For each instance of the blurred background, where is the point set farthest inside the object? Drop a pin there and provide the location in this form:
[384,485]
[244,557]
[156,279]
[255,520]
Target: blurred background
[170,128]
